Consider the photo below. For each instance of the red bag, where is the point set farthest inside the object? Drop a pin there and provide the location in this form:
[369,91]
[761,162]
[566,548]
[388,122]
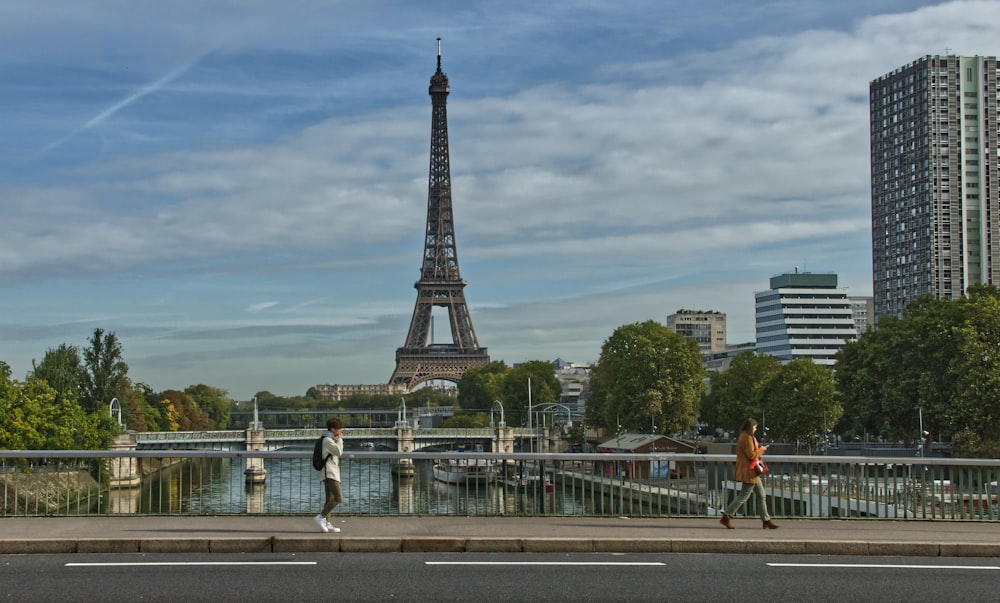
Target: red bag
[759,467]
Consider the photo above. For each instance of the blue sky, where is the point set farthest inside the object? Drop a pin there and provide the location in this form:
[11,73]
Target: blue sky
[238,189]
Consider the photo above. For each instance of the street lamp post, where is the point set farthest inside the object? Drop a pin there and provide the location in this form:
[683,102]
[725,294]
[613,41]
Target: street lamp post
[115,408]
[401,419]
[503,423]
[546,407]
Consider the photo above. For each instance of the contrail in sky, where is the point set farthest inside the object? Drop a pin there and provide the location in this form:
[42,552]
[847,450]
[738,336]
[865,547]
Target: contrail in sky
[115,108]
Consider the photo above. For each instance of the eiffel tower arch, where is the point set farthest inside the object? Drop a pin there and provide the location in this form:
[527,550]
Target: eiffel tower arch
[440,284]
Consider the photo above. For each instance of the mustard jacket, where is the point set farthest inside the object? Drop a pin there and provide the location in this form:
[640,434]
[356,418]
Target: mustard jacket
[746,451]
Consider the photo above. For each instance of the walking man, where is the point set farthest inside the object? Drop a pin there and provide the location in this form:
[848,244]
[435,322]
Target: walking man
[333,447]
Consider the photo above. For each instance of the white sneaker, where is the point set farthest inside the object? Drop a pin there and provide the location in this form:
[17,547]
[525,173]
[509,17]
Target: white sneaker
[323,524]
[332,527]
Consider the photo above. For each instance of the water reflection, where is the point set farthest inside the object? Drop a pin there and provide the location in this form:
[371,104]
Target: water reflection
[217,486]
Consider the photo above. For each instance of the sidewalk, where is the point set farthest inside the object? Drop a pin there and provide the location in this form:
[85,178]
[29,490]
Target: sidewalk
[266,534]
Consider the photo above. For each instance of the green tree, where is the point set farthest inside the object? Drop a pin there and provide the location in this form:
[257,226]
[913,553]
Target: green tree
[937,365]
[152,412]
[106,374]
[540,375]
[974,408]
[214,401]
[801,403]
[646,375]
[62,369]
[17,429]
[467,421]
[33,416]
[481,385]
[424,396]
[734,394]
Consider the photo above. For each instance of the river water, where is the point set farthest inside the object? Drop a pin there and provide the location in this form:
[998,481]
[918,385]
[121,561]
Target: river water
[292,487]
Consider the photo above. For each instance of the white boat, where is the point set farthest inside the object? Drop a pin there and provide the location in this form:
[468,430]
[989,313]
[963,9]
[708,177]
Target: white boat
[464,471]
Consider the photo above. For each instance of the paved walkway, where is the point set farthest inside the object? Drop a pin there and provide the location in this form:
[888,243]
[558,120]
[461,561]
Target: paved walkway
[253,534]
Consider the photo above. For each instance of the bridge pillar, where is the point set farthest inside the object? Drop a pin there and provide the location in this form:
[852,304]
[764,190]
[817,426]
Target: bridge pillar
[255,498]
[255,472]
[404,443]
[553,439]
[504,440]
[124,470]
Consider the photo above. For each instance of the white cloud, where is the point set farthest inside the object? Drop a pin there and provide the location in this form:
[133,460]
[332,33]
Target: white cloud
[596,181]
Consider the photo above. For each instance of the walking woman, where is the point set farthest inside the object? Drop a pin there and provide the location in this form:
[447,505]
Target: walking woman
[748,450]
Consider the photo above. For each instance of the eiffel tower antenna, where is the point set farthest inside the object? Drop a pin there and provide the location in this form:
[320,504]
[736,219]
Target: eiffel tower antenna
[440,284]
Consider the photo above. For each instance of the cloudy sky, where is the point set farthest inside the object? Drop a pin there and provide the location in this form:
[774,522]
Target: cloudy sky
[238,189]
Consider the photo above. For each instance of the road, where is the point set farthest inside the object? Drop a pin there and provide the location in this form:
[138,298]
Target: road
[493,577]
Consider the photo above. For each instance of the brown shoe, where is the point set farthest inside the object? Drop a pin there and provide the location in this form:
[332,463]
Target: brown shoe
[726,522]
[770,525]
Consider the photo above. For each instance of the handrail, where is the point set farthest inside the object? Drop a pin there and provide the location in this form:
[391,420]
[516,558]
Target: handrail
[200,481]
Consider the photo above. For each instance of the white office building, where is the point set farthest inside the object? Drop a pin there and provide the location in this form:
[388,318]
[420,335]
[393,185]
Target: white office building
[804,315]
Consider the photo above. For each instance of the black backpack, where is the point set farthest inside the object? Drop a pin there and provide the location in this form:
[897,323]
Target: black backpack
[319,461]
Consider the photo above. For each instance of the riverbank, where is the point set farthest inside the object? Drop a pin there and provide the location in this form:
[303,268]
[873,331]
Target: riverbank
[41,491]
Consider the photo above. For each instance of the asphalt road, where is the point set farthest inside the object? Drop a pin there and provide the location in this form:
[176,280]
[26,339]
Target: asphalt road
[473,577]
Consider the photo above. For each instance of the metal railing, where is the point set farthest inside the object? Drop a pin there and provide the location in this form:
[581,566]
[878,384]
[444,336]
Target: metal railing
[216,482]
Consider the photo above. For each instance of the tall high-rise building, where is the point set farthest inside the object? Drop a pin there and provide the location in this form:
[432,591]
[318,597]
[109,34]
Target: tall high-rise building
[804,315]
[935,210]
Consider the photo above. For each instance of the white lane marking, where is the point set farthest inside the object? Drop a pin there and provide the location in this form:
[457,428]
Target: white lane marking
[623,563]
[886,566]
[170,563]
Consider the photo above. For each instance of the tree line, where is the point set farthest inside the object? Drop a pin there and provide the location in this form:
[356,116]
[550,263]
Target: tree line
[937,369]
[64,403]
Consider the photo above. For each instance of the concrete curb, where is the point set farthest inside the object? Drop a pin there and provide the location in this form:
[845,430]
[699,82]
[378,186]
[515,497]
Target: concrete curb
[284,544]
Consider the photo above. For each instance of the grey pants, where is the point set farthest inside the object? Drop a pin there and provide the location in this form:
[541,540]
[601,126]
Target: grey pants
[749,488]
[334,496]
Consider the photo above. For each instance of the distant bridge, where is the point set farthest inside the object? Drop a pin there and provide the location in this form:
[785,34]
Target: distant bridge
[305,419]
[277,439]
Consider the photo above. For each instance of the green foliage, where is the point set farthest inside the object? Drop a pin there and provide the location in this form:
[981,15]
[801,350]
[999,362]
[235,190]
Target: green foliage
[34,416]
[481,385]
[62,369]
[467,421]
[144,398]
[214,401]
[424,396]
[800,403]
[646,375]
[734,394]
[106,374]
[941,362]
[544,385]
[969,444]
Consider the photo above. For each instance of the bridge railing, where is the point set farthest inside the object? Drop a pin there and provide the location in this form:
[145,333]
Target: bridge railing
[214,482]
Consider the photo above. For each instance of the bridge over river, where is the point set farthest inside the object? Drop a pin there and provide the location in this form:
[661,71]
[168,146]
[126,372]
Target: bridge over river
[397,439]
[402,438]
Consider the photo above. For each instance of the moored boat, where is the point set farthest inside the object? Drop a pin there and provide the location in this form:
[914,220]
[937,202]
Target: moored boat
[464,471]
[528,482]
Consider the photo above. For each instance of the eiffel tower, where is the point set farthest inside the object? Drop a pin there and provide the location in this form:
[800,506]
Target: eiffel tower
[440,285]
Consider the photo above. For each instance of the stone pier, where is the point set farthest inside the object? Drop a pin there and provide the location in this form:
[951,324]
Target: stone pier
[255,472]
[124,471]
[504,441]
[404,443]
